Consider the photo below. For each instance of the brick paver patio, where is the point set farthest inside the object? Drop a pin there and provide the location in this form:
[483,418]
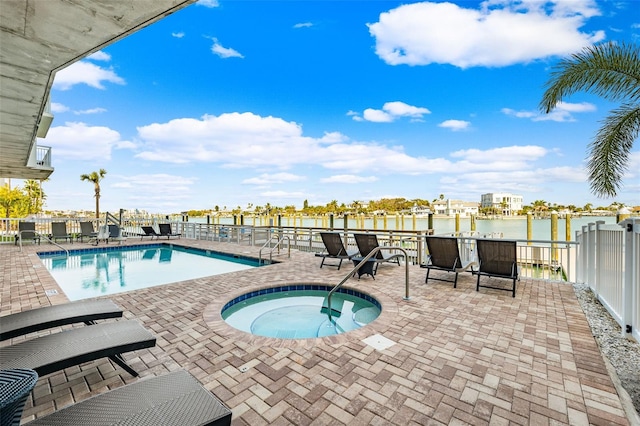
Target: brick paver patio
[459,356]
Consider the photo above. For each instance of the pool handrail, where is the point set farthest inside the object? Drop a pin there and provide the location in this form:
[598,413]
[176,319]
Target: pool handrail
[363,262]
[277,246]
[45,237]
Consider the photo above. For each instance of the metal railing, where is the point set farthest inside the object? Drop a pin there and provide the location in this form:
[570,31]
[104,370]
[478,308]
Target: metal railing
[43,156]
[276,246]
[361,263]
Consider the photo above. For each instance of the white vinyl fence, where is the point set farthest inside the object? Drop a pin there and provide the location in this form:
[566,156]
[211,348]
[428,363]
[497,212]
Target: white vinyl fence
[609,259]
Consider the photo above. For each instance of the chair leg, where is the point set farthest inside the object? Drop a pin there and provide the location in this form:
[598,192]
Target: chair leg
[427,279]
[322,263]
[455,280]
[478,284]
[514,288]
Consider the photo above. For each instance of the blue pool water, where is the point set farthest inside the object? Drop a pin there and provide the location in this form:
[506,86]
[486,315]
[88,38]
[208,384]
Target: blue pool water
[300,311]
[102,271]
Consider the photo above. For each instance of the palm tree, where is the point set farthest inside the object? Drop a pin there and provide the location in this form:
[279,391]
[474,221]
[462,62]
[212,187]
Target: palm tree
[35,195]
[611,71]
[95,177]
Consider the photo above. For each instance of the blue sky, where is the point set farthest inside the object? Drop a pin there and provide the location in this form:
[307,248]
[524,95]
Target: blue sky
[234,102]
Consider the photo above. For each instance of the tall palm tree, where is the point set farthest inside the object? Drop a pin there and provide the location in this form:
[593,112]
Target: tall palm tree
[95,177]
[612,71]
[35,194]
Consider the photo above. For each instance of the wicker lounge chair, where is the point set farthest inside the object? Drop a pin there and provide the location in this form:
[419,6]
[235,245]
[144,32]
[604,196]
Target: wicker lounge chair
[87,311]
[15,386]
[335,249]
[86,230]
[27,231]
[368,242]
[172,399]
[444,255]
[497,258]
[58,351]
[59,231]
[149,232]
[165,231]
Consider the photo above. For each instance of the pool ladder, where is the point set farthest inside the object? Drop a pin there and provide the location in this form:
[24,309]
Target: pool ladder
[361,264]
[277,246]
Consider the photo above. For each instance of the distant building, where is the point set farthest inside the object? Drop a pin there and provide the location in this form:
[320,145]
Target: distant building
[453,207]
[505,203]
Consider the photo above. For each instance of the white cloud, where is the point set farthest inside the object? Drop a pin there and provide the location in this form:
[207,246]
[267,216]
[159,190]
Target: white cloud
[100,141]
[246,140]
[208,3]
[178,34]
[455,125]
[562,112]
[266,178]
[249,140]
[500,33]
[90,111]
[58,108]
[347,179]
[224,52]
[303,25]
[377,116]
[83,72]
[390,112]
[100,56]
[528,153]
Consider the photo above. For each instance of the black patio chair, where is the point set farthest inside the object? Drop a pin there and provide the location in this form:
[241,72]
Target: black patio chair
[175,398]
[57,351]
[368,242]
[497,258]
[32,320]
[27,231]
[335,249]
[59,232]
[444,255]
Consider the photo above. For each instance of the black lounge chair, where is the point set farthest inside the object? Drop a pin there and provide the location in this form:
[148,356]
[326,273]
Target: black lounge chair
[497,258]
[444,255]
[335,249]
[172,399]
[15,386]
[59,231]
[27,231]
[86,230]
[149,232]
[368,242]
[58,351]
[87,311]
[165,231]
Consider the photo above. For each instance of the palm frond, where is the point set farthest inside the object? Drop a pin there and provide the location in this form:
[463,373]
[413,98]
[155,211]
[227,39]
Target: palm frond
[609,70]
[609,152]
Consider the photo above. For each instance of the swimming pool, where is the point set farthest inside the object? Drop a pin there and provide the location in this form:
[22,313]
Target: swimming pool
[102,271]
[300,311]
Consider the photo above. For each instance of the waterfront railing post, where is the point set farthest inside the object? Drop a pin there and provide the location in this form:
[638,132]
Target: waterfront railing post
[457,224]
[331,221]
[473,223]
[567,227]
[413,222]
[529,227]
[430,221]
[384,222]
[554,235]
